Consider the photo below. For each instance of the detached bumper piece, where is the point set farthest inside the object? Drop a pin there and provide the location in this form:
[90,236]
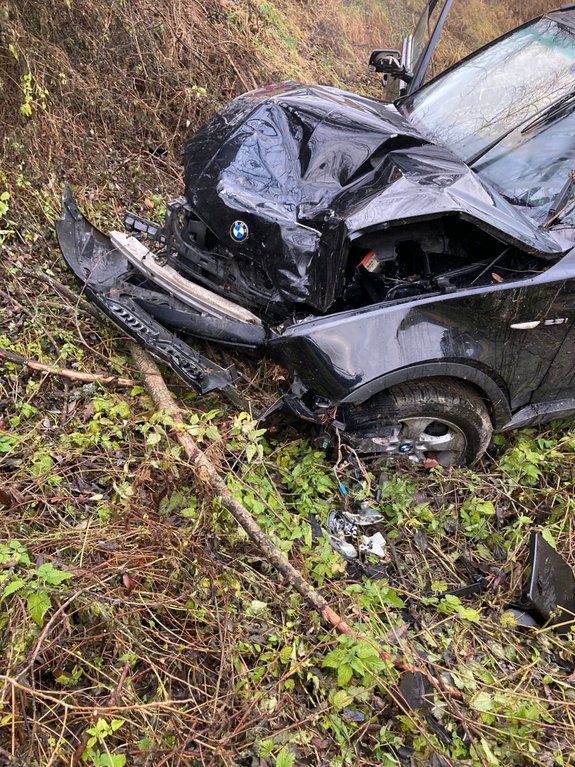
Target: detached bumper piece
[104,273]
[551,585]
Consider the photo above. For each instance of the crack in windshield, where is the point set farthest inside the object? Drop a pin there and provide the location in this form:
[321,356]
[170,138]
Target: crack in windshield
[490,109]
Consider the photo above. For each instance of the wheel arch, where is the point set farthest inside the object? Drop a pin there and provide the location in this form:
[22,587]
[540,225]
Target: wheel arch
[489,387]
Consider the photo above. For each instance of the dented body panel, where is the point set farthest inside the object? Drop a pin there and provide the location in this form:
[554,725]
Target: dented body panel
[311,168]
[350,356]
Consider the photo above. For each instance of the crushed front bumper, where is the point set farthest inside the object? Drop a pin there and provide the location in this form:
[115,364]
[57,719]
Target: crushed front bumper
[132,305]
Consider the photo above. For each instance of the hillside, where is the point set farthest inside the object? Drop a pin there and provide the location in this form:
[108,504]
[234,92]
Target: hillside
[138,623]
[102,95]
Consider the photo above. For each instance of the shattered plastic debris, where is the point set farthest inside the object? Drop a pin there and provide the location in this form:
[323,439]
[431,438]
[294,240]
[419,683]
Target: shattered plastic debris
[414,689]
[351,715]
[346,538]
[365,516]
[551,585]
[347,550]
[373,544]
[477,582]
[339,526]
[521,616]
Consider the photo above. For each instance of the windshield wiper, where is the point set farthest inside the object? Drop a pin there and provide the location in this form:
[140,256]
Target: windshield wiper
[558,107]
[552,111]
[562,201]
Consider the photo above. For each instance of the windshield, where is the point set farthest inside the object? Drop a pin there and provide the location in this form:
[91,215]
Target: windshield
[497,89]
[530,167]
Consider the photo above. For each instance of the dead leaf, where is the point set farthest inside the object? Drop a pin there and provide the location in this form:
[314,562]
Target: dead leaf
[88,410]
[129,583]
[6,499]
[10,497]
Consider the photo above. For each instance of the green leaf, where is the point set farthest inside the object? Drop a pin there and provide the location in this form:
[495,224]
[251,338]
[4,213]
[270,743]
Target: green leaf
[365,650]
[470,614]
[49,574]
[285,758]
[38,605]
[341,699]
[13,586]
[265,748]
[7,443]
[483,701]
[286,654]
[344,675]
[548,537]
[489,755]
[111,760]
[153,438]
[256,607]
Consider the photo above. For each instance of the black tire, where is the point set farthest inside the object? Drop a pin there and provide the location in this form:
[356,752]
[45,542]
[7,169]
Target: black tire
[432,418]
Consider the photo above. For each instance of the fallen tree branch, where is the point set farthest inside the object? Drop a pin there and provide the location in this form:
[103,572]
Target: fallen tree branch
[213,486]
[73,375]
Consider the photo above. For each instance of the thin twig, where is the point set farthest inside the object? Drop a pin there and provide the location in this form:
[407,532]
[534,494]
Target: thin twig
[46,630]
[112,701]
[63,290]
[73,375]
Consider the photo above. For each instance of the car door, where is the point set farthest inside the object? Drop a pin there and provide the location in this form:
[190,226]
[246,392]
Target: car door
[559,382]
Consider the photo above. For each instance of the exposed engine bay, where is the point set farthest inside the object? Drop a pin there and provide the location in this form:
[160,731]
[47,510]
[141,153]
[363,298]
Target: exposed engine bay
[430,258]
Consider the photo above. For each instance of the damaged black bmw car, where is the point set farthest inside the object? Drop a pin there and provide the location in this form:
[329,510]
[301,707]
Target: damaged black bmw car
[411,263]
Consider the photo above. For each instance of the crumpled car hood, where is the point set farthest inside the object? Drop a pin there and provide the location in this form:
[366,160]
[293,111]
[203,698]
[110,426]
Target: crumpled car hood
[309,168]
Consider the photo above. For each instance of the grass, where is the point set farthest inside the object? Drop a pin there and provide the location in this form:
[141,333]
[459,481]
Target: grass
[138,625]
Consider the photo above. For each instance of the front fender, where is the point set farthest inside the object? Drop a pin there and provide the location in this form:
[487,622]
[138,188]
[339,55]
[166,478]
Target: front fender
[348,357]
[492,390]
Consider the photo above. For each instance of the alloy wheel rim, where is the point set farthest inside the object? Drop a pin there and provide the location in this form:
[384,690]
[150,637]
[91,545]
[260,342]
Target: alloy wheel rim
[419,438]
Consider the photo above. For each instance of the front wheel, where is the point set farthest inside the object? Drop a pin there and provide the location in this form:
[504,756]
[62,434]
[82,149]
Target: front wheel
[436,418]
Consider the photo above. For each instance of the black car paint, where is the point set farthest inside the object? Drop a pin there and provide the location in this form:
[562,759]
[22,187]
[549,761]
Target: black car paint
[311,171]
[347,358]
[310,167]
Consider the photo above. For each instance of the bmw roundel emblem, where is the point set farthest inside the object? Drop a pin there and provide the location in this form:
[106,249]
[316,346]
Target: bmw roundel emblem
[239,231]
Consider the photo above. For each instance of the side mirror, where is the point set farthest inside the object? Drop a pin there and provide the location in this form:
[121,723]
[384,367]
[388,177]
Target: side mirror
[396,74]
[388,62]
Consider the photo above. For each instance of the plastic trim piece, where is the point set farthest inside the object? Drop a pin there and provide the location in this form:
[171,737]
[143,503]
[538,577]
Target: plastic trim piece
[101,270]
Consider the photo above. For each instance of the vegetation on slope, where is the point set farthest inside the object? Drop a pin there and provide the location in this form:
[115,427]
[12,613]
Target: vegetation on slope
[138,626]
